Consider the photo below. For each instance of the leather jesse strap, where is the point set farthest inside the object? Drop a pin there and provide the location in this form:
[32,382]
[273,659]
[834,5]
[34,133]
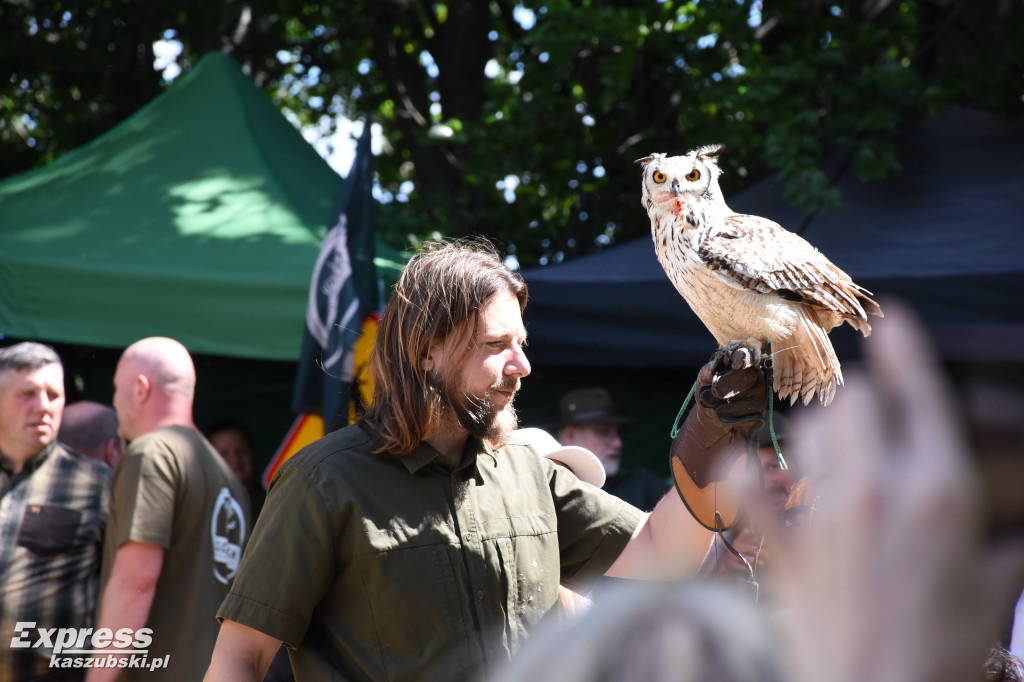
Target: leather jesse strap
[715,450]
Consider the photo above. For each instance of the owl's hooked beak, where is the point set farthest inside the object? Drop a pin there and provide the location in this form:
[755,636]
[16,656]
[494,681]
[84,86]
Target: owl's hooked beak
[678,205]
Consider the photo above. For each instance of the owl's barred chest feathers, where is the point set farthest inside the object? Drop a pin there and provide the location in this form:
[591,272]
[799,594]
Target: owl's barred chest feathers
[725,309]
[747,278]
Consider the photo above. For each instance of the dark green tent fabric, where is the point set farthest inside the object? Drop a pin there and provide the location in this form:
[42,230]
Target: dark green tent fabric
[200,217]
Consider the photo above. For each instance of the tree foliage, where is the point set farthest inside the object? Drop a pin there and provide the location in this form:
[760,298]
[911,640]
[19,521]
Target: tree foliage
[522,121]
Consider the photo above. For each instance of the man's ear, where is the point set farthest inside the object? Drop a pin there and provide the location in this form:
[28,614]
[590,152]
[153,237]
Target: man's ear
[112,451]
[143,389]
[428,359]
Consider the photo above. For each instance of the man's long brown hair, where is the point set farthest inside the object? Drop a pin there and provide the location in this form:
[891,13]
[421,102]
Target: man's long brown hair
[438,298]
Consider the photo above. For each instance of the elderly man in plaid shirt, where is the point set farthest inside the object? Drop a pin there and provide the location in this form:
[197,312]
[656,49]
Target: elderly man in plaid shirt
[54,504]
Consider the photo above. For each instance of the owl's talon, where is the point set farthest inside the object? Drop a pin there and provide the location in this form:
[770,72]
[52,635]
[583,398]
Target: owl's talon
[720,360]
[743,354]
[742,358]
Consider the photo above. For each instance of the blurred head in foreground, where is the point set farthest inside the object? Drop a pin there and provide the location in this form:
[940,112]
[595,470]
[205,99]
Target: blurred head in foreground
[654,632]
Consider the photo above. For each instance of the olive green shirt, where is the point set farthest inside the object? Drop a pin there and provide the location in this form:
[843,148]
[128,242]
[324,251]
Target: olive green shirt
[373,567]
[172,489]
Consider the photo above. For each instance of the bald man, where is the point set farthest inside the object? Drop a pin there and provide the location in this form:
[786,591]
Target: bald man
[91,428]
[179,520]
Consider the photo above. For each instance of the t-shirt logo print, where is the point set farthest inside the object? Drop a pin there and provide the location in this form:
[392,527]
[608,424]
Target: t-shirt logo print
[228,532]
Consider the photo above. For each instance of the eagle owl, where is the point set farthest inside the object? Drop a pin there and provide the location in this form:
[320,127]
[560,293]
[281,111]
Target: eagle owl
[748,279]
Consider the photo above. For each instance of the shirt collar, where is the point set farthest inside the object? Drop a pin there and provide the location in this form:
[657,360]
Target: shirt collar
[425,454]
[33,463]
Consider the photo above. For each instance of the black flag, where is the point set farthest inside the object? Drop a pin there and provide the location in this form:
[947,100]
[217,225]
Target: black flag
[343,291]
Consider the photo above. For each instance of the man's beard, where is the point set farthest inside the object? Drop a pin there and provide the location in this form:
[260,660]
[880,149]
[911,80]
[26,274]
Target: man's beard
[477,414]
[611,465]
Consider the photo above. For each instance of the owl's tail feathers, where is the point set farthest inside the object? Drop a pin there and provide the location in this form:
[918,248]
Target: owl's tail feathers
[804,363]
[863,305]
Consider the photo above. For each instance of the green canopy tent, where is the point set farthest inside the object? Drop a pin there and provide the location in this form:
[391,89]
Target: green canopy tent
[200,217]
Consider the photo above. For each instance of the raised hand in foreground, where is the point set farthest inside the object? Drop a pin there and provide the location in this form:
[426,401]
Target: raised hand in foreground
[892,580]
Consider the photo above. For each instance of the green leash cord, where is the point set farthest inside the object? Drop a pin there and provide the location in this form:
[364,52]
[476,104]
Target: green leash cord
[771,421]
[771,430]
[683,410]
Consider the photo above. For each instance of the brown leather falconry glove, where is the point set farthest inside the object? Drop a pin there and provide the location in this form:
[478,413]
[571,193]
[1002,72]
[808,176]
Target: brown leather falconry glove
[715,448]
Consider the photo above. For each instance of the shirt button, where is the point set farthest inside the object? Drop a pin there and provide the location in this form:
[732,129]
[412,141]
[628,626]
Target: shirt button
[479,595]
[469,537]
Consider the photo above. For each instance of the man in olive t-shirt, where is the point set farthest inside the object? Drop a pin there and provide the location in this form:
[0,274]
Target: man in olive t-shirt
[178,525]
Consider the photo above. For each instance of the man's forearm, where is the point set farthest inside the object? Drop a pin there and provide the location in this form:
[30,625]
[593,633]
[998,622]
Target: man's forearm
[242,654]
[128,597]
[668,544]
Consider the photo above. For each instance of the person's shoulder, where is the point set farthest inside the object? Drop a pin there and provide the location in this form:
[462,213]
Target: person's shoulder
[521,453]
[83,464]
[161,435]
[521,443]
[332,449]
[171,445]
[173,436]
[517,447]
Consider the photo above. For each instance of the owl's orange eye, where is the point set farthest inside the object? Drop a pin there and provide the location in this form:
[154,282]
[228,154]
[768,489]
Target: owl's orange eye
[693,175]
[659,177]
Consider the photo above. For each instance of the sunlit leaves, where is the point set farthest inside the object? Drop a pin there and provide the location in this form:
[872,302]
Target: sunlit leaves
[496,115]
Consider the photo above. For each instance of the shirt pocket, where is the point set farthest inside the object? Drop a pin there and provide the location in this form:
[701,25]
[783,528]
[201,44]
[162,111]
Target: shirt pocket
[47,530]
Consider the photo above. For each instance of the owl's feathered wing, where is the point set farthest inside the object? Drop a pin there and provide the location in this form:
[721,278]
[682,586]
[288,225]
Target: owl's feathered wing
[761,255]
[756,255]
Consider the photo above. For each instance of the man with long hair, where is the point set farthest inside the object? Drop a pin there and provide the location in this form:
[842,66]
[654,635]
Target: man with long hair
[425,541]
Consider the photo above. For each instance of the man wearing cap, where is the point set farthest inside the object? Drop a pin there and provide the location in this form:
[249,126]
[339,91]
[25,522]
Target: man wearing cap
[591,420]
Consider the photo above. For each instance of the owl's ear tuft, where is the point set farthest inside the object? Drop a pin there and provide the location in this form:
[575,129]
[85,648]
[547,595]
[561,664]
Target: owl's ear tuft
[644,162]
[710,152]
